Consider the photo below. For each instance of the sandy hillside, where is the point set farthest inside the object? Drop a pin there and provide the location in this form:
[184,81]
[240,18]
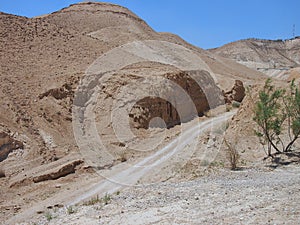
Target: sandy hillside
[92,89]
[275,58]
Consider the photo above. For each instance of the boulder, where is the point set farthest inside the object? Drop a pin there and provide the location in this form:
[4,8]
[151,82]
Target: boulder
[58,172]
[52,171]
[237,93]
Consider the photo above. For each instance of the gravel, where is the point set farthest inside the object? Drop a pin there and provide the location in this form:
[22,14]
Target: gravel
[250,196]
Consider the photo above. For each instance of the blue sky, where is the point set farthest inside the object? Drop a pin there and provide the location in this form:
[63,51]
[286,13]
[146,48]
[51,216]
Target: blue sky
[204,23]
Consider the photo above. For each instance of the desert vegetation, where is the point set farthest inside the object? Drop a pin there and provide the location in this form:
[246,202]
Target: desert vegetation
[232,154]
[277,114]
[95,200]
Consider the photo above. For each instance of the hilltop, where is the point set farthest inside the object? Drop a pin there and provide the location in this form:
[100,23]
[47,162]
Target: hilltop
[276,58]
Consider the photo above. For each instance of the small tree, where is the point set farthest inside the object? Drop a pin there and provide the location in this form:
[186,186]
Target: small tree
[273,108]
[269,116]
[292,110]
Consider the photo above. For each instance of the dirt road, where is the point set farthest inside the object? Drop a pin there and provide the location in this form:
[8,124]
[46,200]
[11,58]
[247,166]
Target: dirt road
[130,176]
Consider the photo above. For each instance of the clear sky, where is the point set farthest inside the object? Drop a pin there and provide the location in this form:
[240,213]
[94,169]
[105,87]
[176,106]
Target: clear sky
[204,23]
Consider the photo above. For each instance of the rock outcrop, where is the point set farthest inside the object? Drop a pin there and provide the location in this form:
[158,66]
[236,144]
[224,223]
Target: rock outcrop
[59,93]
[237,93]
[51,171]
[7,145]
[178,109]
[56,173]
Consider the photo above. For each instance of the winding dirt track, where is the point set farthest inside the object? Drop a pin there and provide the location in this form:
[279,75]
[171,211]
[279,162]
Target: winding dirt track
[130,176]
[116,180]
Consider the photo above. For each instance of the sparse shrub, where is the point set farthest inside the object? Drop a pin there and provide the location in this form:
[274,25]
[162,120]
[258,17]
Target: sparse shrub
[48,216]
[275,108]
[217,164]
[236,104]
[123,157]
[232,154]
[92,201]
[70,210]
[228,107]
[106,199]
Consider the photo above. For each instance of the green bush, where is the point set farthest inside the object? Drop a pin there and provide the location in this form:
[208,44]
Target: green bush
[274,108]
[236,104]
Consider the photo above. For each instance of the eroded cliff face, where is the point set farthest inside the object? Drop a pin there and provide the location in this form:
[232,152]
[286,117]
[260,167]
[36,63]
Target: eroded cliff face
[159,95]
[195,94]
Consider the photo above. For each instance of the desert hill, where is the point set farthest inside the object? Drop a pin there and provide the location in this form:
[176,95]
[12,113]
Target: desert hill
[43,62]
[275,58]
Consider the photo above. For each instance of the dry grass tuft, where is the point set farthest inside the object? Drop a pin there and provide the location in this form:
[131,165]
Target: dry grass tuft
[232,155]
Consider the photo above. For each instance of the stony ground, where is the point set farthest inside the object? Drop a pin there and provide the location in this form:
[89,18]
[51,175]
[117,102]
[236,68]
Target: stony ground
[248,196]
